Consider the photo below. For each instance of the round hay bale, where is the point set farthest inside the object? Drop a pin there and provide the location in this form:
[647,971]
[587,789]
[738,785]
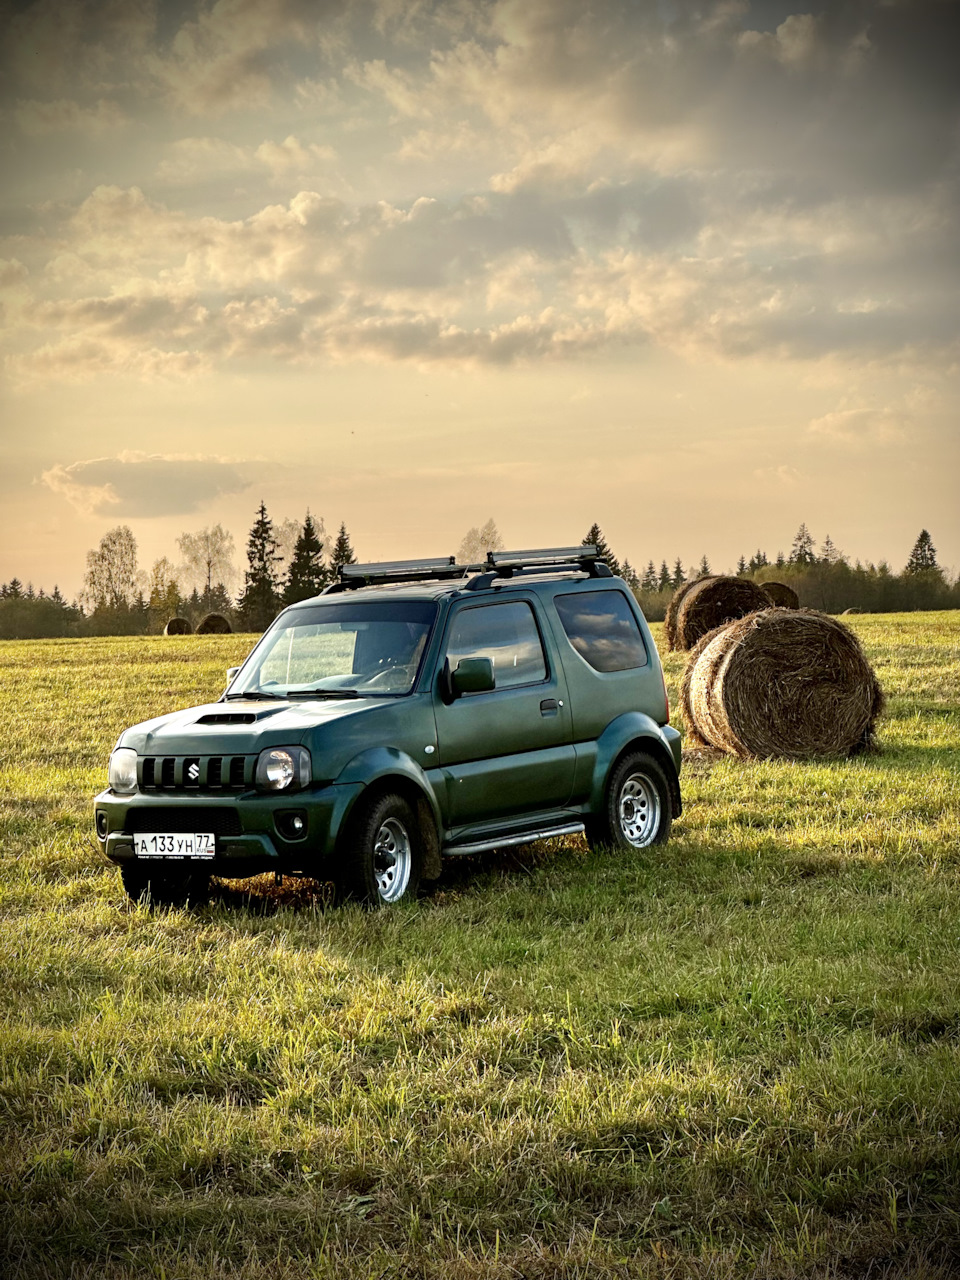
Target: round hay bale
[852,611]
[177,627]
[779,594]
[673,608]
[214,624]
[713,601]
[782,683]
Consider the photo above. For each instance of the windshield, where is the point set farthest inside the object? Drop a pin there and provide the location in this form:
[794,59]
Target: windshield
[331,650]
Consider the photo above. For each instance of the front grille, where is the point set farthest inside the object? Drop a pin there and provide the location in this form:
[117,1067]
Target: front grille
[196,773]
[222,822]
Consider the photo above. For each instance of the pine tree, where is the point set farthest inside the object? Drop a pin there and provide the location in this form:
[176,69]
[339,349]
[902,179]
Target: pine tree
[260,601]
[781,560]
[307,575]
[830,553]
[630,576]
[704,570]
[678,577]
[802,550]
[757,561]
[649,580]
[923,557]
[595,538]
[663,578]
[741,568]
[342,553]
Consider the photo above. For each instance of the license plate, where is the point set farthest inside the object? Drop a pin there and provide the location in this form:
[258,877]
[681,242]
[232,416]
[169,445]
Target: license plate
[174,844]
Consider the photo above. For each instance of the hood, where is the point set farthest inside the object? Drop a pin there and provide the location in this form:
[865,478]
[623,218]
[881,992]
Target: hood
[240,727]
[333,731]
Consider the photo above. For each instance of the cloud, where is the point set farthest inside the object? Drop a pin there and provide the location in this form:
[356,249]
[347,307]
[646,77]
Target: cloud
[861,427]
[705,184]
[293,156]
[35,117]
[144,485]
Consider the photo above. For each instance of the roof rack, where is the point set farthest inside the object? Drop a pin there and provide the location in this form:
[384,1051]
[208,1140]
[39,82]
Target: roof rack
[499,565]
[507,564]
[379,572]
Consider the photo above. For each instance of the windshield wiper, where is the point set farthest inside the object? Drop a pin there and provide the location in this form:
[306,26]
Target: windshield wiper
[324,693]
[253,695]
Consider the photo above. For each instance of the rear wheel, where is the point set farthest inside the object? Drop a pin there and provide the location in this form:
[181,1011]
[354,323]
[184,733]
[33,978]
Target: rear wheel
[383,857]
[638,810]
[165,886]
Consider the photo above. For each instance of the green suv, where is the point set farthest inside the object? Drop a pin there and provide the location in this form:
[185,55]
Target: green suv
[411,711]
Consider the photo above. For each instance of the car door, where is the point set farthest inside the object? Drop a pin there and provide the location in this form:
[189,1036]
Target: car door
[508,750]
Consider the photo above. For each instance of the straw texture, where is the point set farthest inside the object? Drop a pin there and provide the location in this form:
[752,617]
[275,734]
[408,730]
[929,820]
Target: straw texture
[781,683]
[779,594]
[709,603]
[214,624]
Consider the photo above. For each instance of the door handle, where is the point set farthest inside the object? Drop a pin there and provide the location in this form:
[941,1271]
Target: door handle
[549,706]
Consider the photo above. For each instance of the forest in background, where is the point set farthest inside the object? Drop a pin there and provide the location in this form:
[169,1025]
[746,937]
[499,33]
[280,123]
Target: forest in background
[290,561]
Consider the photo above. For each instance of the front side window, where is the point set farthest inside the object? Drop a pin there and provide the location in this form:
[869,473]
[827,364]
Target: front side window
[602,628]
[506,634]
[369,648]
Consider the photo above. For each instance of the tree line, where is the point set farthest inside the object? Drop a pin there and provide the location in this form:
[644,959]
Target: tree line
[291,560]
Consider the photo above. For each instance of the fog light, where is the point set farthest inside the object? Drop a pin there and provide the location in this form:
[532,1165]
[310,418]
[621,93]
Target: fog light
[292,823]
[101,824]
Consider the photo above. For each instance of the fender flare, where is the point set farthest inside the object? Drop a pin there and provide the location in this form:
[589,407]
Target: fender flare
[378,765]
[633,729]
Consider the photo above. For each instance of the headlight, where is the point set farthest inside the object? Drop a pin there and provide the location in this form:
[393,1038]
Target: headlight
[283,769]
[122,774]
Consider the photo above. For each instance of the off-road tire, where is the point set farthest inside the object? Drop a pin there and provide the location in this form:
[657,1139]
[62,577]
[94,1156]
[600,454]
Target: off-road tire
[638,809]
[164,886]
[382,857]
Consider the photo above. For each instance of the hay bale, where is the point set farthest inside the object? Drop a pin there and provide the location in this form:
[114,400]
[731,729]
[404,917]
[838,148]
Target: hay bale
[852,611]
[214,624]
[177,627]
[713,601]
[673,609]
[779,594]
[782,683]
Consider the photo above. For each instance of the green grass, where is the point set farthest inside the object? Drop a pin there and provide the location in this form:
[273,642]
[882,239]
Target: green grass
[738,1055]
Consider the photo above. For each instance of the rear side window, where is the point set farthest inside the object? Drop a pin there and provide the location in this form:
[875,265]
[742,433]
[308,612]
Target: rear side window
[506,634]
[602,628]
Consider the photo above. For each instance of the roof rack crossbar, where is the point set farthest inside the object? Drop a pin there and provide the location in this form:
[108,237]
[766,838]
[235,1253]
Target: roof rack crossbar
[543,556]
[507,564]
[383,571]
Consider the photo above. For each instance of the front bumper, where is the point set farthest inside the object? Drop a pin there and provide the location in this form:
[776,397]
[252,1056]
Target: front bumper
[248,827]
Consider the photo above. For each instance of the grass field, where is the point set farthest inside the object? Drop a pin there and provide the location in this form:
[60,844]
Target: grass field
[737,1055]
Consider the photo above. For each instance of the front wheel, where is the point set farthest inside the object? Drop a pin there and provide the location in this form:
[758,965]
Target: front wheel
[164,886]
[383,859]
[638,810]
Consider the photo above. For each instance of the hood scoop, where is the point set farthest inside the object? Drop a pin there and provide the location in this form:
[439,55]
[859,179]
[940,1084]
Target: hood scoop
[228,717]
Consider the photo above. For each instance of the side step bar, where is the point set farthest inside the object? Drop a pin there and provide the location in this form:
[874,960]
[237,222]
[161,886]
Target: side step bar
[504,842]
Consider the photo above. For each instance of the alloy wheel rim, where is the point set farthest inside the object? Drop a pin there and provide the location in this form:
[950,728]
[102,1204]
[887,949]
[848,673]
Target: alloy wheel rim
[392,860]
[639,810]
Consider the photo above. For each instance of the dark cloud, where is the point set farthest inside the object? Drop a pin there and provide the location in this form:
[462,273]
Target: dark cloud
[145,486]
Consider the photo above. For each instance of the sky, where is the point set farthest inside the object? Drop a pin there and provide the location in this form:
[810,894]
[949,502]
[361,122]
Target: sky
[688,270]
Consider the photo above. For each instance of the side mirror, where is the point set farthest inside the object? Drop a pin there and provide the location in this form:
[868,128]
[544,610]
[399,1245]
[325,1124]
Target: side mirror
[473,675]
[231,674]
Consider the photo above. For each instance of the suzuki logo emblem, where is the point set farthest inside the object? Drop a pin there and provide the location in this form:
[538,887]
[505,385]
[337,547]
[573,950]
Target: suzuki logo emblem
[193,772]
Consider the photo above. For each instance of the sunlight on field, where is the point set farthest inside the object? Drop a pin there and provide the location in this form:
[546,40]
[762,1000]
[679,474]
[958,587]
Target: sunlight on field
[736,1055]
